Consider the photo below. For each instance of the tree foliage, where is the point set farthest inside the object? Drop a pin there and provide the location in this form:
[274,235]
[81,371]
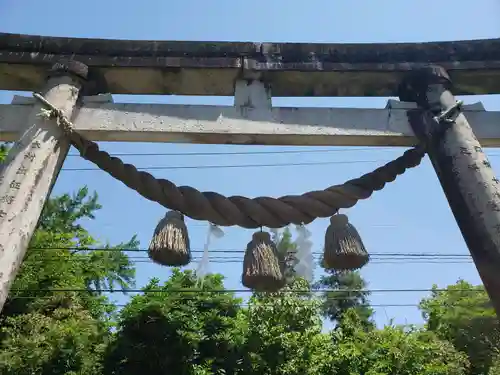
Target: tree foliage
[58,320]
[462,314]
[3,152]
[284,333]
[68,340]
[345,290]
[180,327]
[392,350]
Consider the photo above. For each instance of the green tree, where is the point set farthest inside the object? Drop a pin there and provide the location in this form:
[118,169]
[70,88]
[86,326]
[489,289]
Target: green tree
[344,290]
[495,366]
[284,333]
[283,240]
[283,329]
[180,327]
[66,341]
[3,151]
[392,350]
[57,258]
[56,320]
[462,314]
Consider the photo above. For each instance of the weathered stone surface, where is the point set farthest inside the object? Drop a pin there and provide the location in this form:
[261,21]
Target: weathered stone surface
[211,68]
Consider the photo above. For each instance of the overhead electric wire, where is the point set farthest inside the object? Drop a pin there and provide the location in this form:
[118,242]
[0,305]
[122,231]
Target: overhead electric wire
[221,153]
[360,305]
[237,251]
[186,290]
[328,294]
[229,260]
[412,263]
[273,303]
[232,258]
[236,258]
[151,168]
[376,258]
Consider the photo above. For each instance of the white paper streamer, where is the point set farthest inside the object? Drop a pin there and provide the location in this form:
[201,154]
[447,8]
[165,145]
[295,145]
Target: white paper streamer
[203,266]
[305,259]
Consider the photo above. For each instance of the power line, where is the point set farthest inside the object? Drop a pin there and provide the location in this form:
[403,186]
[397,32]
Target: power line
[185,297]
[221,291]
[222,153]
[361,305]
[238,259]
[350,149]
[243,153]
[233,166]
[368,305]
[239,262]
[273,303]
[237,251]
[326,297]
[223,260]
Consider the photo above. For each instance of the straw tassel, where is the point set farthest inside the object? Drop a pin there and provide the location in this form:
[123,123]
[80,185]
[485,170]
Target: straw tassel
[344,249]
[263,266]
[170,243]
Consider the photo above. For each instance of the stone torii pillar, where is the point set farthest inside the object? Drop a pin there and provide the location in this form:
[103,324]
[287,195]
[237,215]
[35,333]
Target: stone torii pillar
[465,174]
[31,169]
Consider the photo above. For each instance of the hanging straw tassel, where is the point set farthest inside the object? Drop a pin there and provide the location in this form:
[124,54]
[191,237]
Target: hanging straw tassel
[344,249]
[263,266]
[170,243]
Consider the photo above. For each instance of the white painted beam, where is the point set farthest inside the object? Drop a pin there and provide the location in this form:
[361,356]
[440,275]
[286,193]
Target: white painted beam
[101,121]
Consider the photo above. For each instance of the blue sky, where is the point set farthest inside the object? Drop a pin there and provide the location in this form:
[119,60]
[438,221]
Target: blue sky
[408,216]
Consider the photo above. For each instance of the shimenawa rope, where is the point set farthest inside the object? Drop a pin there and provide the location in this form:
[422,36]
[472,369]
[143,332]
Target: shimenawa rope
[237,210]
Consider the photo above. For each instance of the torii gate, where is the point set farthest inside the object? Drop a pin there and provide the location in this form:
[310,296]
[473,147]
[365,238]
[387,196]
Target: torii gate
[72,72]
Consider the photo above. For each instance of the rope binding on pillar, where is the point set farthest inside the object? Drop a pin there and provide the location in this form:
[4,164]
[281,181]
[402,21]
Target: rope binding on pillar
[263,268]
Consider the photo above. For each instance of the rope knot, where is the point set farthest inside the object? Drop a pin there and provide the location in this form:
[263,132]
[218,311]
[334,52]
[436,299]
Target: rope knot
[52,112]
[64,124]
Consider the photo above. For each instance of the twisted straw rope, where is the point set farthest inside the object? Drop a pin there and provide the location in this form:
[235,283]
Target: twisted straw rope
[237,210]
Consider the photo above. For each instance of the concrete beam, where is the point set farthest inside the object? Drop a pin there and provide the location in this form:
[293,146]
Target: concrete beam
[99,120]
